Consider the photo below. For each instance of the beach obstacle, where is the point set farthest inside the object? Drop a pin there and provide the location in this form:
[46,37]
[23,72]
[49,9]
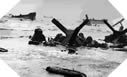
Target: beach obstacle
[71,38]
[116,35]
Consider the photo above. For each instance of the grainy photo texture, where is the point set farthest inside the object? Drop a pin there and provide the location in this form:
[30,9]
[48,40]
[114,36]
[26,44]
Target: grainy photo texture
[63,38]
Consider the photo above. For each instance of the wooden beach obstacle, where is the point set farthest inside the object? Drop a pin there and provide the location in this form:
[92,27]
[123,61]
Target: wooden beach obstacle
[65,72]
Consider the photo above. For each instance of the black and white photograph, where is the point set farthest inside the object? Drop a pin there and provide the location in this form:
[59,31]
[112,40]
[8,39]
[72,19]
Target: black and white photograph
[63,38]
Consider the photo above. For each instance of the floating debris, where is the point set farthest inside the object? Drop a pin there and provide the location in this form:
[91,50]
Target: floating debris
[3,50]
[65,72]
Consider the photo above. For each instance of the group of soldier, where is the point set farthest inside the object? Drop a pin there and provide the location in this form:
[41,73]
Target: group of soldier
[73,39]
[39,38]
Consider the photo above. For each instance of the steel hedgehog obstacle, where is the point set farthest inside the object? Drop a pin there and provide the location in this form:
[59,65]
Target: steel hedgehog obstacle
[72,38]
[63,38]
[117,36]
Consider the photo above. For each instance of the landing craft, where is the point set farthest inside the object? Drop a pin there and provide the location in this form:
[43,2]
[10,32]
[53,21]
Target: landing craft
[31,16]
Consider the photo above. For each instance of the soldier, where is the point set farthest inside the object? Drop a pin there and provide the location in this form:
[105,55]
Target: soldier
[59,38]
[93,43]
[81,37]
[121,28]
[88,41]
[38,37]
[51,42]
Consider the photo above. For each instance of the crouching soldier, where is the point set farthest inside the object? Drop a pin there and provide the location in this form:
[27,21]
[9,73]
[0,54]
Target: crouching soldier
[81,38]
[38,37]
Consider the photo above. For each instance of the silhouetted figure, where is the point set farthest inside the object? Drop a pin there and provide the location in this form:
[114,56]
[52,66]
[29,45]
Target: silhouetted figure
[59,38]
[51,42]
[81,37]
[88,41]
[121,28]
[38,37]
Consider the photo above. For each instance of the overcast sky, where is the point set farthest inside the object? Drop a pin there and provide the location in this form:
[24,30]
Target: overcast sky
[68,10]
